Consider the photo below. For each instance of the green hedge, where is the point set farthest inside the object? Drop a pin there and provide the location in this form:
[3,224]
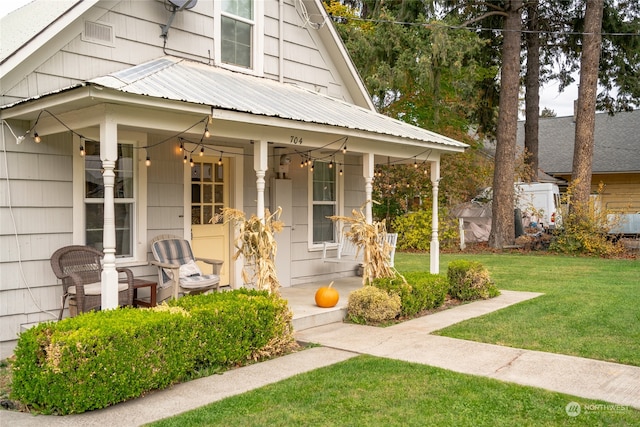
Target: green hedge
[101,358]
[470,280]
[422,291]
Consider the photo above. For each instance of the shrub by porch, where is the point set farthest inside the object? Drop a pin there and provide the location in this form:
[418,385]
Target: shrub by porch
[102,358]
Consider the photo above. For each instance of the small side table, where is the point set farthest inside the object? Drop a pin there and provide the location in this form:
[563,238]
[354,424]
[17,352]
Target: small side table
[141,283]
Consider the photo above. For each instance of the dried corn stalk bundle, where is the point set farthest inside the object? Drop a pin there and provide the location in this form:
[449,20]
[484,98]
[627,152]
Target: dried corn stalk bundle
[255,241]
[371,240]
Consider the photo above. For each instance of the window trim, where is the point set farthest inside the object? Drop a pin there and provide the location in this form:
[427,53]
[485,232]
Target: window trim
[257,59]
[139,216]
[339,204]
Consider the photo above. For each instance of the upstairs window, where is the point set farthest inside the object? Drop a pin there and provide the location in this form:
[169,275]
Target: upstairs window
[237,32]
[239,35]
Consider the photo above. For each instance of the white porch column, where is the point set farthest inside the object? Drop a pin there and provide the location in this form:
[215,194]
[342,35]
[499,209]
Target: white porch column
[367,172]
[260,165]
[109,156]
[434,267]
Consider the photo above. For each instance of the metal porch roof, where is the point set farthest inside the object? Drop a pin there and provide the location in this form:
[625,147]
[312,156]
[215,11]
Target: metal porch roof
[182,80]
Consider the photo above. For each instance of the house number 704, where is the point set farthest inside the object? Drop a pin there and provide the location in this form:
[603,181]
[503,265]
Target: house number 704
[296,140]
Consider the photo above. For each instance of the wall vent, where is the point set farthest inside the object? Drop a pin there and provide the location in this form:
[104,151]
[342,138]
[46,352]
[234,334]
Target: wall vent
[98,32]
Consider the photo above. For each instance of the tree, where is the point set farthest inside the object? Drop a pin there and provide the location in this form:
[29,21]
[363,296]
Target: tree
[587,93]
[548,112]
[502,228]
[532,90]
[423,72]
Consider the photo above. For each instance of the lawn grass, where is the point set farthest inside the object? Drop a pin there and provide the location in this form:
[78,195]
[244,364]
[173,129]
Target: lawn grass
[371,391]
[591,306]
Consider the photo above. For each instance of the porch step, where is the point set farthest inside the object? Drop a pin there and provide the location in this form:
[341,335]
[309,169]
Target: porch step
[306,314]
[335,315]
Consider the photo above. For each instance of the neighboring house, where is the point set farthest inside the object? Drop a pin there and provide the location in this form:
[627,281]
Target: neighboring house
[225,101]
[616,156]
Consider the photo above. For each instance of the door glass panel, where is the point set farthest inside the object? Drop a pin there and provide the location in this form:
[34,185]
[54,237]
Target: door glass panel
[219,198]
[207,193]
[195,214]
[207,197]
[207,211]
[195,193]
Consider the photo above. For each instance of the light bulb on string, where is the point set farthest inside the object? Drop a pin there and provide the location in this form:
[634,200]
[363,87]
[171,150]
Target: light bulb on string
[312,166]
[207,134]
[220,159]
[191,163]
[36,138]
[340,171]
[82,152]
[415,164]
[344,148]
[202,151]
[184,160]
[148,161]
[331,164]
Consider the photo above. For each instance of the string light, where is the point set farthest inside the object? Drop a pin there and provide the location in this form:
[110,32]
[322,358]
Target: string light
[36,138]
[207,134]
[202,151]
[184,160]
[191,163]
[313,165]
[331,164]
[415,163]
[340,171]
[220,159]
[344,148]
[148,160]
[82,152]
[181,147]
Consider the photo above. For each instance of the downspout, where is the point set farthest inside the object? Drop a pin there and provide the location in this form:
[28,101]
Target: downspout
[281,43]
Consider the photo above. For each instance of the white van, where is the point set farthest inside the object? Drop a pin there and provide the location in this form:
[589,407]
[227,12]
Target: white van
[539,203]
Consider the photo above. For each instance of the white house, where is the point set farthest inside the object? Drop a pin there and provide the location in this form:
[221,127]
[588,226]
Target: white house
[125,119]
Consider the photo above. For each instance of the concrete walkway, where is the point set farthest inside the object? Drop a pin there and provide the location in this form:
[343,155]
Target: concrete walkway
[410,341]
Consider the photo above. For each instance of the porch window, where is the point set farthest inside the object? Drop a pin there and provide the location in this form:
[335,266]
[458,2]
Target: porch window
[237,32]
[124,198]
[324,202]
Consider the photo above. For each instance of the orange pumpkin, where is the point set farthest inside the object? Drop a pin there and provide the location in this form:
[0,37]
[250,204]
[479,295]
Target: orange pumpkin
[327,296]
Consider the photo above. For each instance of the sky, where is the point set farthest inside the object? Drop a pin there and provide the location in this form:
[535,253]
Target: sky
[562,103]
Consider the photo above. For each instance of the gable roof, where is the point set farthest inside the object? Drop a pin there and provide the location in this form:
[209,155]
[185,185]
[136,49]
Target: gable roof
[48,18]
[616,150]
[24,28]
[182,80]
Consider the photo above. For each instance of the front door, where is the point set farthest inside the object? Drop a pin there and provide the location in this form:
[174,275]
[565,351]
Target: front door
[209,195]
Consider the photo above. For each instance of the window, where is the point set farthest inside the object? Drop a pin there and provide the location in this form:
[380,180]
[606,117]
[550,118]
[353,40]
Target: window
[124,198]
[238,34]
[324,202]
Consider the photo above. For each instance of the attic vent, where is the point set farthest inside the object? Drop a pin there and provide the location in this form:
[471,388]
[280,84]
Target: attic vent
[98,32]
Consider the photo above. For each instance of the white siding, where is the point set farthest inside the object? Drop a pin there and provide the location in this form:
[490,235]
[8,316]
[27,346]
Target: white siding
[137,26]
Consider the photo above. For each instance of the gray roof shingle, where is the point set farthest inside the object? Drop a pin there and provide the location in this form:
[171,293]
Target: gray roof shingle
[617,143]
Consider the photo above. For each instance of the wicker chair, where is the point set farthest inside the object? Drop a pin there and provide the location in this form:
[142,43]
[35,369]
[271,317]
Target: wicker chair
[174,259]
[80,269]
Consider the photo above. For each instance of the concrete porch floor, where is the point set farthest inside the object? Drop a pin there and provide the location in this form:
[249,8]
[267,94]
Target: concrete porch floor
[306,314]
